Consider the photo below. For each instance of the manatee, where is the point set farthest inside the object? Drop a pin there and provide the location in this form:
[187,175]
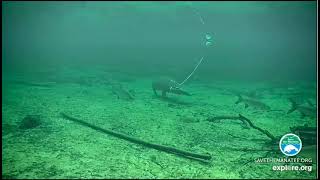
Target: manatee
[167,85]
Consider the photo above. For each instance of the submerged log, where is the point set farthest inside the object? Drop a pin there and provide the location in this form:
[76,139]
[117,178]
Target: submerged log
[185,154]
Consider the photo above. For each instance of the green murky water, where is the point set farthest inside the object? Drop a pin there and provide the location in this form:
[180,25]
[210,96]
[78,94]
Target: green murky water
[84,94]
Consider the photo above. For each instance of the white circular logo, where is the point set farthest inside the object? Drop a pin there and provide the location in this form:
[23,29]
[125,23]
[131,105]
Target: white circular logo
[290,144]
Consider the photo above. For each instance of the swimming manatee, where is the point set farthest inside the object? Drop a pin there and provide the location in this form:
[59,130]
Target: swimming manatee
[167,85]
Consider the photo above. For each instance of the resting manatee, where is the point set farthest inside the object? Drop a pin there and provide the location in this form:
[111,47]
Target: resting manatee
[167,85]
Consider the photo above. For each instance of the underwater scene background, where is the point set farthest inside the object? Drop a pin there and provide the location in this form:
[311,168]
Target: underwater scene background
[97,90]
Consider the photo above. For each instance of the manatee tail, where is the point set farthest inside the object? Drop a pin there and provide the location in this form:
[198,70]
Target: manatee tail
[294,106]
[239,99]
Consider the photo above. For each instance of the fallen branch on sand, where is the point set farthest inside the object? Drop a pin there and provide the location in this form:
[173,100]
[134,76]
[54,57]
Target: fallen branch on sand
[245,121]
[218,118]
[185,154]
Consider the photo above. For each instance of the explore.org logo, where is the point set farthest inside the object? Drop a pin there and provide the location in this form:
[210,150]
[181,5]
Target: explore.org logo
[290,144]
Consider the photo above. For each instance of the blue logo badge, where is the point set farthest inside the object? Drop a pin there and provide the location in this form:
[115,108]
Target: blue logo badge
[290,144]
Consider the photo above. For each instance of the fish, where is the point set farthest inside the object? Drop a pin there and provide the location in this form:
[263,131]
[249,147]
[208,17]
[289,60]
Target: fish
[304,110]
[121,93]
[301,99]
[252,102]
[167,85]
